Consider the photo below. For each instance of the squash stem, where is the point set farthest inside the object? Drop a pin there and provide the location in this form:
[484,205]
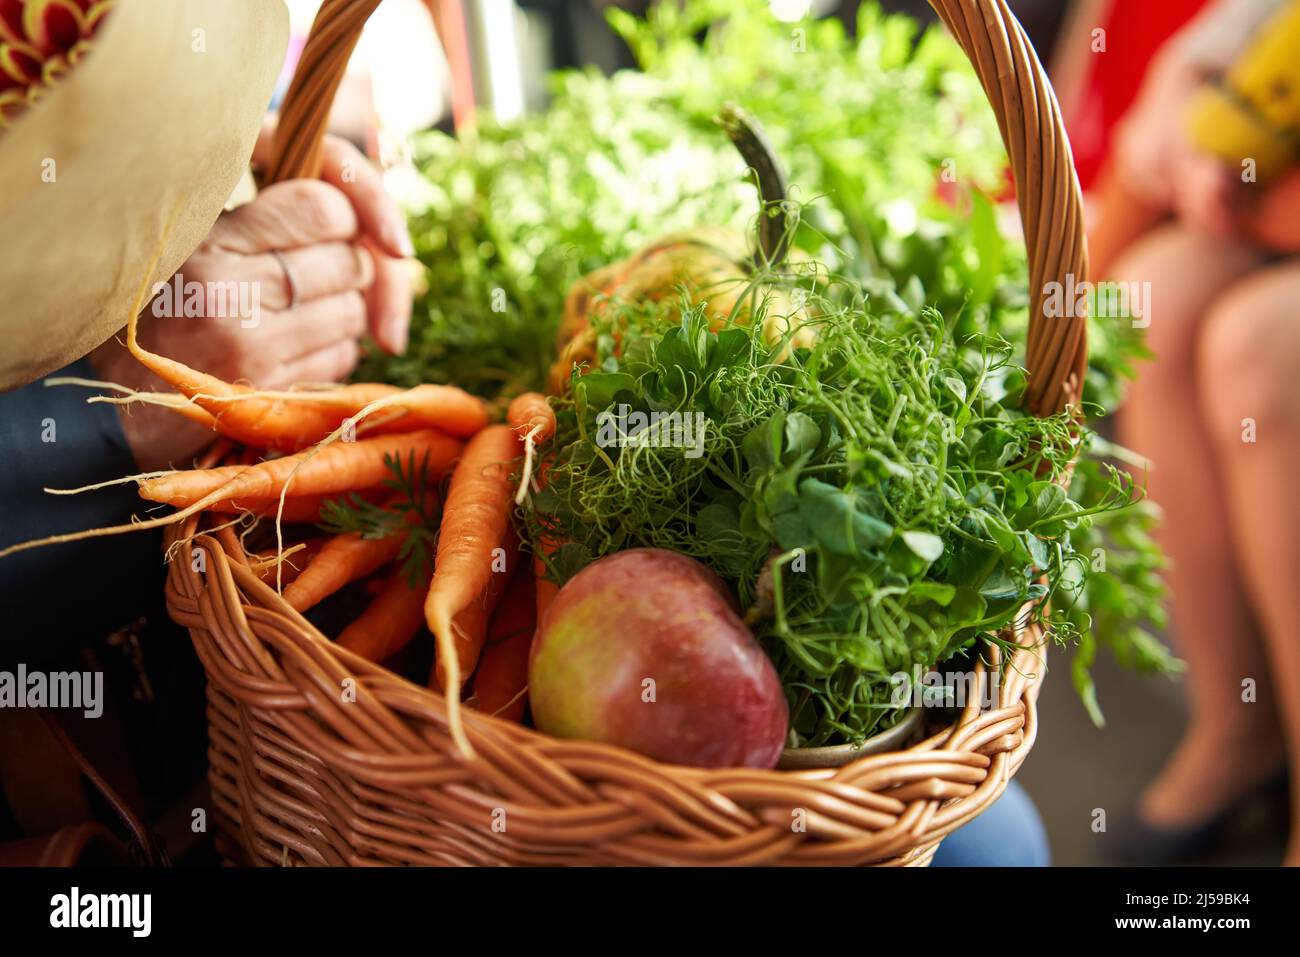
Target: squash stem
[756,150]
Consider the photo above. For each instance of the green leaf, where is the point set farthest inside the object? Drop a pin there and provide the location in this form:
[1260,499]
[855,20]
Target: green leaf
[791,531]
[1003,535]
[981,496]
[762,444]
[924,544]
[940,594]
[716,520]
[1081,676]
[595,391]
[1045,499]
[996,448]
[569,559]
[545,501]
[832,517]
[967,607]
[1048,497]
[781,492]
[1003,586]
[683,348]
[802,437]
[730,349]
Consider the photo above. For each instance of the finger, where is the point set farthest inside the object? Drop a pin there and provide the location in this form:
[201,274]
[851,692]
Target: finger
[388,301]
[331,364]
[345,167]
[324,269]
[297,212]
[314,325]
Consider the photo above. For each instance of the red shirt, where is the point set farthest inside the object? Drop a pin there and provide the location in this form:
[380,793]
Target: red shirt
[1135,30]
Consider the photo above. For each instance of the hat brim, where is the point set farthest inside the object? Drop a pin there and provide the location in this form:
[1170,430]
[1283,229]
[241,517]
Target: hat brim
[160,116]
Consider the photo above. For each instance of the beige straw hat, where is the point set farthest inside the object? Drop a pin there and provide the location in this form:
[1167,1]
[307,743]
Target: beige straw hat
[158,115]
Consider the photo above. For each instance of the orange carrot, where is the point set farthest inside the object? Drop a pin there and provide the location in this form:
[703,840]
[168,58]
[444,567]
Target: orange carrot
[474,546]
[297,508]
[185,486]
[293,564]
[320,470]
[241,415]
[178,403]
[532,417]
[331,469]
[290,421]
[323,411]
[502,677]
[343,559]
[531,414]
[390,621]
[427,406]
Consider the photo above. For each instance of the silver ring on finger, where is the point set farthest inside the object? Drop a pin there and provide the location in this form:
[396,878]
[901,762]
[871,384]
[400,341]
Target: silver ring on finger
[289,281]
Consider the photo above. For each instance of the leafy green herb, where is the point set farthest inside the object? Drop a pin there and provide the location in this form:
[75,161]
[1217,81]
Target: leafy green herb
[899,508]
[846,464]
[1114,596]
[505,219]
[412,512]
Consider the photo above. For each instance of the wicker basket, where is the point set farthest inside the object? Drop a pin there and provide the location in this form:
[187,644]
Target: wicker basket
[320,757]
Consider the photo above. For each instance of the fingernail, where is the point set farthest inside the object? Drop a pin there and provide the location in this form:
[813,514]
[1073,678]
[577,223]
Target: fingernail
[402,240]
[365,265]
[396,332]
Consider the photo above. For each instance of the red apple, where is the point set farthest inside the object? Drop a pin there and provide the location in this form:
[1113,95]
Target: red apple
[644,649]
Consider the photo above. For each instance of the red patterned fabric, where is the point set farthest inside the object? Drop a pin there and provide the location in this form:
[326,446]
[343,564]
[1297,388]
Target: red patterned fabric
[39,41]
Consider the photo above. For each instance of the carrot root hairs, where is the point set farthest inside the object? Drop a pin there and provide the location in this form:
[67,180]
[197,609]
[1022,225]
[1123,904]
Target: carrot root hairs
[138,477]
[532,417]
[352,465]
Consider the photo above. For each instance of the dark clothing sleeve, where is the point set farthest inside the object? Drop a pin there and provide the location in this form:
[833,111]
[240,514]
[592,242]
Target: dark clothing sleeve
[55,597]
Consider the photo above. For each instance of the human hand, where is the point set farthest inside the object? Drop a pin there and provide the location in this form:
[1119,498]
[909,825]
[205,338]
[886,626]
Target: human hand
[381,230]
[277,294]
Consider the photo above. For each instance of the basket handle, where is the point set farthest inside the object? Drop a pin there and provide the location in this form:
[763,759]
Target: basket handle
[306,107]
[1028,115]
[1047,190]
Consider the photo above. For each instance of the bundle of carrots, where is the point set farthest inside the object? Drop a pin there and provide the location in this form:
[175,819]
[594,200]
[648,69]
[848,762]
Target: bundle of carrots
[303,450]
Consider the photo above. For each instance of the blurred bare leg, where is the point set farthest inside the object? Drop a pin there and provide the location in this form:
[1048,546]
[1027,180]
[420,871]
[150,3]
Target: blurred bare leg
[1249,384]
[1212,619]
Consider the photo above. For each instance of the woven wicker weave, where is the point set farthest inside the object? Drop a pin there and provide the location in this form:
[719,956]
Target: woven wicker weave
[320,757]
